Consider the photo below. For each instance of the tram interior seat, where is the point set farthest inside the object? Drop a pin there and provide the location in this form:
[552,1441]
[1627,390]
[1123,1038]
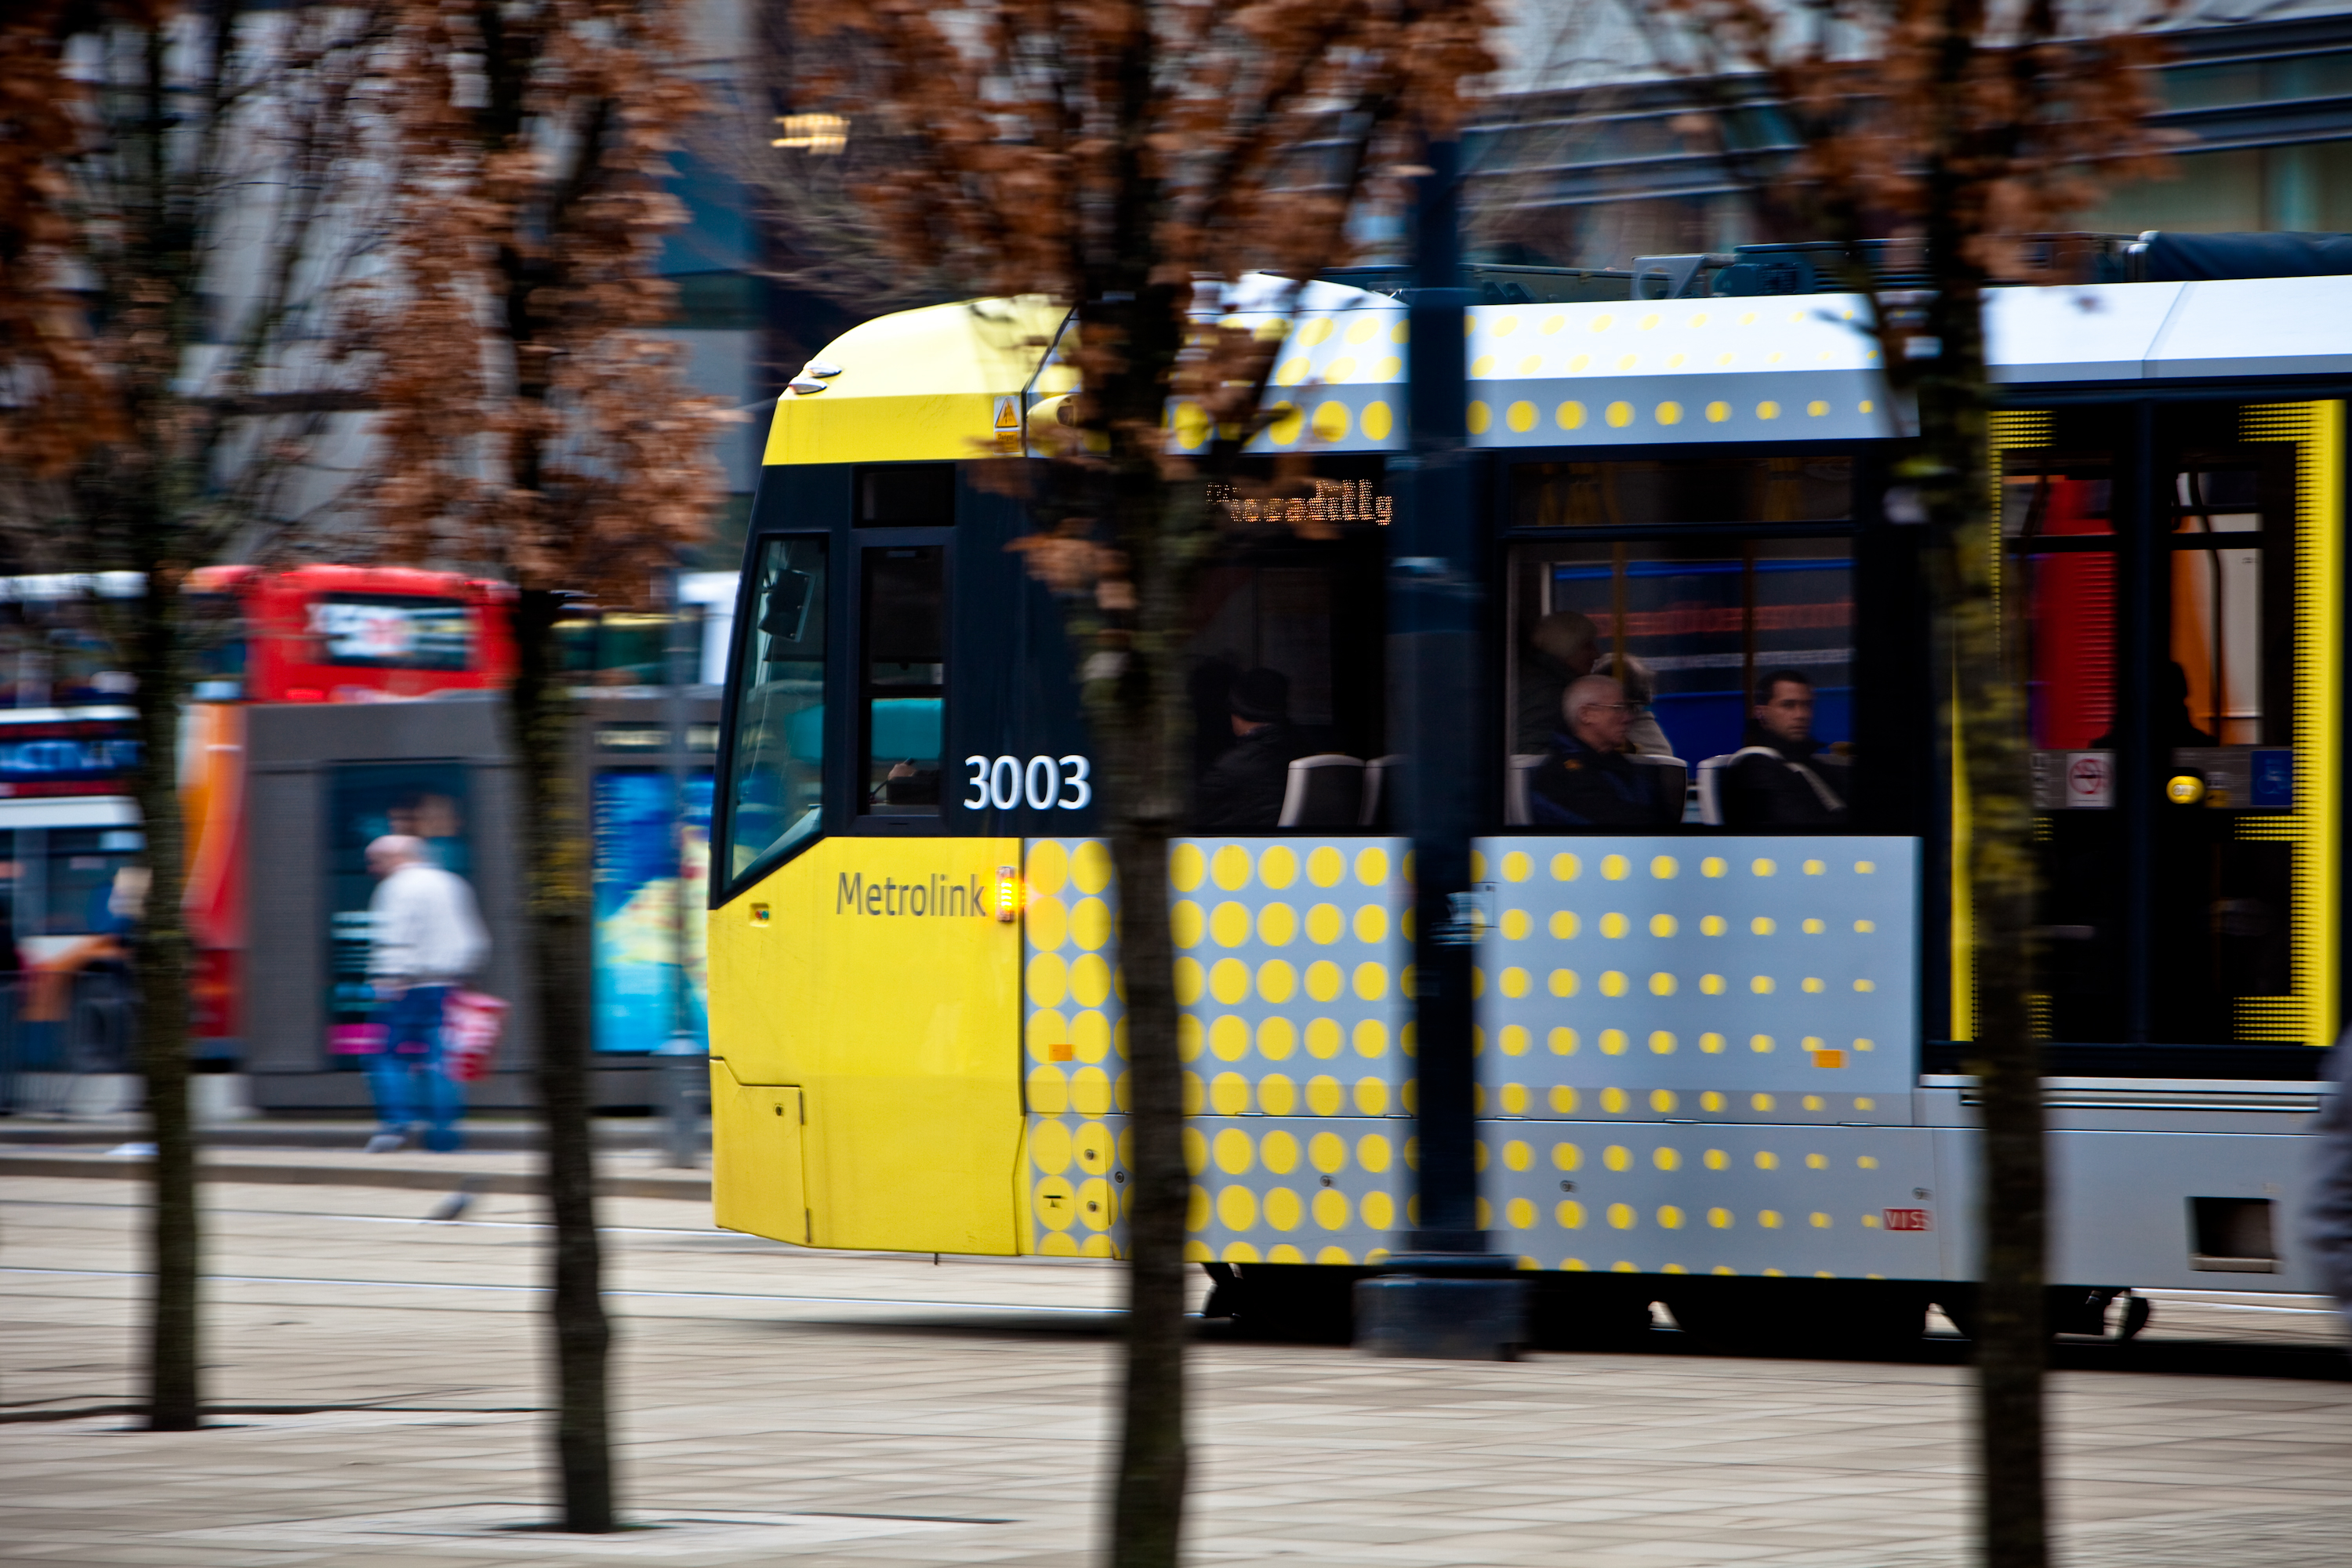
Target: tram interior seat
[1710,788]
[1516,811]
[1380,790]
[1325,790]
[1519,812]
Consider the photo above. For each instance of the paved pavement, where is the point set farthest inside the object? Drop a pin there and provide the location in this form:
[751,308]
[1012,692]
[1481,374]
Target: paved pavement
[378,1378]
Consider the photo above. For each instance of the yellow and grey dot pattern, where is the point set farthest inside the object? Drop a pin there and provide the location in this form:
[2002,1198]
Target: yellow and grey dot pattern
[1832,1201]
[1290,976]
[1746,979]
[1292,1189]
[1643,373]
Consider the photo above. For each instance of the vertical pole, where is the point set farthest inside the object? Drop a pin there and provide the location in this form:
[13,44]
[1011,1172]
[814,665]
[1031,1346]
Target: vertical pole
[1444,1294]
[2145,567]
[1434,594]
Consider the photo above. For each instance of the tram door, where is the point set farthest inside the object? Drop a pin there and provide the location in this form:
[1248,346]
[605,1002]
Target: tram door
[2175,605]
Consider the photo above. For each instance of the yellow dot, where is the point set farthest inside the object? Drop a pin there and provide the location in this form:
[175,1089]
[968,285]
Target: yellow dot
[1232,1151]
[1372,923]
[1377,419]
[1330,1209]
[1326,866]
[1670,1217]
[1278,923]
[1229,980]
[1323,980]
[1617,1157]
[1662,985]
[1229,924]
[1520,415]
[1379,1211]
[1049,980]
[1564,924]
[1771,1220]
[1767,1161]
[1619,414]
[1661,925]
[1237,1208]
[1277,1096]
[1813,928]
[1663,1101]
[1229,1037]
[1760,1101]
[1371,980]
[1314,330]
[1670,413]
[1711,985]
[1767,410]
[1513,981]
[1621,1217]
[1479,416]
[1521,1213]
[1325,924]
[1516,925]
[1614,925]
[1569,416]
[1821,1220]
[1563,983]
[1324,1095]
[1570,1216]
[1716,413]
[1865,986]
[1282,1212]
[1276,1038]
[1867,405]
[1562,1039]
[1815,1162]
[1760,1042]
[1811,985]
[1371,1037]
[1323,1038]
[1229,1094]
[1371,1096]
[1372,866]
[1761,984]
[1614,1100]
[1817,408]
[1864,928]
[1090,923]
[1612,1043]
[1712,1044]
[1373,1153]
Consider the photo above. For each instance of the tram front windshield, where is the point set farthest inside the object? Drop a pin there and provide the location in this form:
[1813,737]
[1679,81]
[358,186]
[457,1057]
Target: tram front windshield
[776,782]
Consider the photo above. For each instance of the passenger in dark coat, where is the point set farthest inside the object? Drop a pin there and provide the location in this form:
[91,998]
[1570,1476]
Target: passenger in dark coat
[1781,776]
[1587,780]
[1244,788]
[1560,651]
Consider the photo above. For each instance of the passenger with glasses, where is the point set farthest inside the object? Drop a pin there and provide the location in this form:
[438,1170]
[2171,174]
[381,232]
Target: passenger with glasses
[1586,779]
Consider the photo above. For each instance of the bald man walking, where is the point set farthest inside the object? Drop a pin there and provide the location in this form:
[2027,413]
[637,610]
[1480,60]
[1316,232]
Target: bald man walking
[428,936]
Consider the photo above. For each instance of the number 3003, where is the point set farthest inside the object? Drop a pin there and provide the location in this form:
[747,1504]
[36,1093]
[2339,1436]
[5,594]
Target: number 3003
[1042,784]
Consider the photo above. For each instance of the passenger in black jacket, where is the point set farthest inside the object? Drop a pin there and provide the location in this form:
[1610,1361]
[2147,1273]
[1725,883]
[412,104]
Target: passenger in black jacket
[1781,776]
[1244,788]
[1587,780]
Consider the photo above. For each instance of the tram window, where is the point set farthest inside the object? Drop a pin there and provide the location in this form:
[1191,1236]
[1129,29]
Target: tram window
[2055,513]
[776,783]
[1286,662]
[1735,660]
[907,495]
[2217,606]
[905,672]
[1682,490]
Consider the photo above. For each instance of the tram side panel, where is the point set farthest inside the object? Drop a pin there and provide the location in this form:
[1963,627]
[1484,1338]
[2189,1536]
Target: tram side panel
[872,976]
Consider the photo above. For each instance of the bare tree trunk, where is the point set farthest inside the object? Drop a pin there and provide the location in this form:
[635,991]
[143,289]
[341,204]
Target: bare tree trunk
[1145,735]
[1988,724]
[173,1346]
[555,852]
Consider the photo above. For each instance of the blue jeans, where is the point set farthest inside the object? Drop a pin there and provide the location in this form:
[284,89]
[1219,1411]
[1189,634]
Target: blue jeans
[407,1075]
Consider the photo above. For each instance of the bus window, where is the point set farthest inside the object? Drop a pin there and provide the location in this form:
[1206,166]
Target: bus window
[1639,664]
[905,673]
[775,786]
[393,631]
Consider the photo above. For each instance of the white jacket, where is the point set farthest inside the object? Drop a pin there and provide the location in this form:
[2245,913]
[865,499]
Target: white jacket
[427,929]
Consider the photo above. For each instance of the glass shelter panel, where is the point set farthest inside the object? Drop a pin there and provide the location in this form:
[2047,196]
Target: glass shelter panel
[775,786]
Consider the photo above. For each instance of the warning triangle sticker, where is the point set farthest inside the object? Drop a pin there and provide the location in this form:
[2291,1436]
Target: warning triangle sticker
[1008,414]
